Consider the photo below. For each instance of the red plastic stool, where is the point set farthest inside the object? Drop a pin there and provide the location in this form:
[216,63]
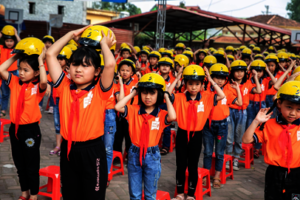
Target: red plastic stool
[160,195]
[53,185]
[249,155]
[116,154]
[2,135]
[199,193]
[225,172]
[172,141]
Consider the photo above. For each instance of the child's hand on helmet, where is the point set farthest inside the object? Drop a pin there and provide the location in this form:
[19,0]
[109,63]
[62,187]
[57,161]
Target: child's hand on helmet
[77,33]
[108,39]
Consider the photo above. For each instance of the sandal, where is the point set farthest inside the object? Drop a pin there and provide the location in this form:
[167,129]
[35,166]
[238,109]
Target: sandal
[217,185]
[256,153]
[52,152]
[164,151]
[23,198]
[179,197]
[2,114]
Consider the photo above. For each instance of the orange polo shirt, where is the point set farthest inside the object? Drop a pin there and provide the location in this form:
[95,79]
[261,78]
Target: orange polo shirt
[143,64]
[206,101]
[111,102]
[128,87]
[270,137]
[245,88]
[271,90]
[133,114]
[32,98]
[91,109]
[264,85]
[221,110]
[5,54]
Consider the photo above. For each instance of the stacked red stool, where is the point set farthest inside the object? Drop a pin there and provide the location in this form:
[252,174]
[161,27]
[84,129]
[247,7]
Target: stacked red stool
[249,155]
[172,141]
[199,193]
[160,195]
[224,173]
[120,169]
[53,185]
[4,134]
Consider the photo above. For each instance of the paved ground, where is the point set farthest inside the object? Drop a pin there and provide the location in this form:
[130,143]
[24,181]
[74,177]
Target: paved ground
[247,183]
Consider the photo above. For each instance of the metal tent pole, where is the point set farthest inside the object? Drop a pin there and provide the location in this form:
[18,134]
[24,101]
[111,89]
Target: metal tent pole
[160,24]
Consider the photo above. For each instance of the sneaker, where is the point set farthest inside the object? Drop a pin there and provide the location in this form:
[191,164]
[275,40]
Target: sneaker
[256,153]
[227,165]
[236,164]
[41,109]
[50,111]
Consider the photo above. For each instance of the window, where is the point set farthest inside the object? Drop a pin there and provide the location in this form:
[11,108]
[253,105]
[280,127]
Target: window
[31,8]
[61,10]
[88,21]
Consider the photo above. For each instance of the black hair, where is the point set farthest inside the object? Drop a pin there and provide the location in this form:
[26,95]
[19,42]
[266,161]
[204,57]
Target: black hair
[132,68]
[276,68]
[246,56]
[160,95]
[186,81]
[14,39]
[220,77]
[32,61]
[64,58]
[198,61]
[231,75]
[47,40]
[89,55]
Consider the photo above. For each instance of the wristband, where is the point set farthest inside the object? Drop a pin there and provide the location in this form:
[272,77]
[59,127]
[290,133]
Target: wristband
[41,66]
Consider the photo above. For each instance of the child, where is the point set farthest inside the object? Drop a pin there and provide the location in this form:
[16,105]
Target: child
[167,53]
[126,69]
[165,66]
[230,58]
[179,48]
[258,57]
[280,137]
[238,114]
[258,101]
[190,55]
[209,61]
[220,56]
[144,64]
[192,110]
[48,41]
[199,56]
[143,155]
[256,50]
[63,59]
[10,37]
[216,127]
[229,50]
[26,92]
[246,56]
[154,57]
[82,105]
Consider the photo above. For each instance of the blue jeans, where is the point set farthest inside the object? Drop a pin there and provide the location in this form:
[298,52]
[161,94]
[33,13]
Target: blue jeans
[167,131]
[236,128]
[149,172]
[56,117]
[110,128]
[216,134]
[252,110]
[6,91]
[269,103]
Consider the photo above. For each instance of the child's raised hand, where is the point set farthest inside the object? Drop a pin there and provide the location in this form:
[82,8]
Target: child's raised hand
[207,74]
[120,79]
[281,67]
[254,72]
[293,76]
[139,75]
[42,55]
[179,73]
[234,84]
[262,115]
[77,33]
[109,39]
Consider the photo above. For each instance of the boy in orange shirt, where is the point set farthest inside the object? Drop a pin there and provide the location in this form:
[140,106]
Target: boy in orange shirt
[281,137]
[146,123]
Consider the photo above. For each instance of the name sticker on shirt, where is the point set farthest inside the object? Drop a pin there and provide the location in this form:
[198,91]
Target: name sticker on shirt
[200,107]
[224,101]
[34,90]
[155,124]
[87,100]
[298,135]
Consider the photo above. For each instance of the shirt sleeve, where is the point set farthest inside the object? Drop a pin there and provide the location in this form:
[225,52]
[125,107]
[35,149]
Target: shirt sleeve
[250,86]
[11,80]
[105,93]
[231,97]
[128,113]
[61,83]
[259,135]
[117,89]
[163,119]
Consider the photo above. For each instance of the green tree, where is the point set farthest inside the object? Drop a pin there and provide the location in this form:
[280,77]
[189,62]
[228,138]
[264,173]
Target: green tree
[117,7]
[294,8]
[182,4]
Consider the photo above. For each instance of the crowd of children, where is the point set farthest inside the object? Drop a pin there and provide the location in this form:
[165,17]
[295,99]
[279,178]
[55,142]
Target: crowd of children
[99,96]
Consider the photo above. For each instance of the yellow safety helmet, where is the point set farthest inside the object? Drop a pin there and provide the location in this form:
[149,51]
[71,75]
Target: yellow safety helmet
[238,65]
[138,50]
[211,49]
[8,32]
[152,80]
[161,49]
[29,46]
[265,53]
[284,50]
[193,72]
[251,46]
[296,70]
[290,91]
[219,53]
[155,54]
[298,56]
[180,46]
[123,45]
[166,61]
[257,56]
[188,53]
[125,49]
[256,50]
[73,42]
[202,51]
[237,49]
[292,56]
[219,70]
[297,78]
[246,52]
[66,52]
[271,48]
[167,52]
[127,62]
[182,60]
[229,48]
[72,47]
[220,48]
[258,65]
[271,58]
[144,51]
[189,49]
[146,48]
[242,47]
[230,57]
[93,35]
[48,38]
[209,60]
[282,56]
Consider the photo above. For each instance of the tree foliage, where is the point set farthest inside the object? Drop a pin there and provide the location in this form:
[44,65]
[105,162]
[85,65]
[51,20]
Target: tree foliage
[182,4]
[117,7]
[294,9]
